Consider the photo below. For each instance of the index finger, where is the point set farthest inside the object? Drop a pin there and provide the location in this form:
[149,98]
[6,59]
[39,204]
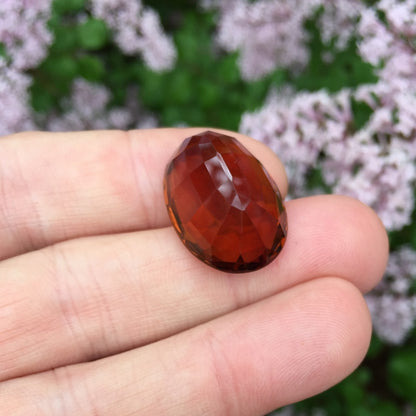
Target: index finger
[58,186]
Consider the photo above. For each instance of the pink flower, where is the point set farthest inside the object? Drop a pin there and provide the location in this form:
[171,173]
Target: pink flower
[267,34]
[24,32]
[137,31]
[87,109]
[270,33]
[392,307]
[15,113]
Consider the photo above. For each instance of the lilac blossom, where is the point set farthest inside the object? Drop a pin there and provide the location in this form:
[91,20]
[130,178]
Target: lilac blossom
[312,130]
[298,127]
[260,31]
[96,114]
[391,48]
[271,34]
[400,16]
[25,37]
[23,31]
[338,20]
[376,41]
[382,177]
[15,113]
[377,163]
[137,31]
[392,307]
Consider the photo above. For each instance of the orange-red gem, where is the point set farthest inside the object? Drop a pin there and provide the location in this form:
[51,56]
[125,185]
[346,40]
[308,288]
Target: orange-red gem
[223,204]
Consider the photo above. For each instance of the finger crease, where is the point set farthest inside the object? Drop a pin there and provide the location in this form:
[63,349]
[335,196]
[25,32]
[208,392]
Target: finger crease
[64,274]
[223,373]
[34,210]
[136,173]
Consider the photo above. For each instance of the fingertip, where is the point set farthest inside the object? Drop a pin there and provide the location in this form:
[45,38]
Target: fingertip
[367,238]
[328,332]
[293,345]
[334,235]
[372,222]
[345,338]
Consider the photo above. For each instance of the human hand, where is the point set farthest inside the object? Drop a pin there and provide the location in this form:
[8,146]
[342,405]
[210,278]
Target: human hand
[104,312]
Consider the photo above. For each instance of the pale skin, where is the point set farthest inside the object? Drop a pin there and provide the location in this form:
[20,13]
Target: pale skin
[104,312]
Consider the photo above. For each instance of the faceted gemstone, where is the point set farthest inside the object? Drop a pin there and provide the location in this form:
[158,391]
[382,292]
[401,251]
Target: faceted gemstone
[223,204]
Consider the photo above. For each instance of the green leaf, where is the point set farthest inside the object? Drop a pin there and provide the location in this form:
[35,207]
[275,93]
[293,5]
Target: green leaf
[91,68]
[64,39]
[228,69]
[401,371]
[59,67]
[345,69]
[93,34]
[205,87]
[353,387]
[381,408]
[171,115]
[3,52]
[376,347]
[363,72]
[41,99]
[361,112]
[68,6]
[180,90]
[208,94]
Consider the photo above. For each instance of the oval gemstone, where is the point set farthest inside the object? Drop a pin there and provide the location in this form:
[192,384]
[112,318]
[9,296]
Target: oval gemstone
[223,204]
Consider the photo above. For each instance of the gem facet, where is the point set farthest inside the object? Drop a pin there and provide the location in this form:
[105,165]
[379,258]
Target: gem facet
[223,204]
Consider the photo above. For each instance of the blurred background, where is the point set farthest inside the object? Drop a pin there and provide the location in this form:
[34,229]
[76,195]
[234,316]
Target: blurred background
[329,85]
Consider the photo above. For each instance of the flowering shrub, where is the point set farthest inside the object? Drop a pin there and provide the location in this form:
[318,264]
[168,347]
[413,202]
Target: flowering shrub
[373,160]
[329,85]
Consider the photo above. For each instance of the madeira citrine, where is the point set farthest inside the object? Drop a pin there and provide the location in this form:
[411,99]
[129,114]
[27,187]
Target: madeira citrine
[225,207]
